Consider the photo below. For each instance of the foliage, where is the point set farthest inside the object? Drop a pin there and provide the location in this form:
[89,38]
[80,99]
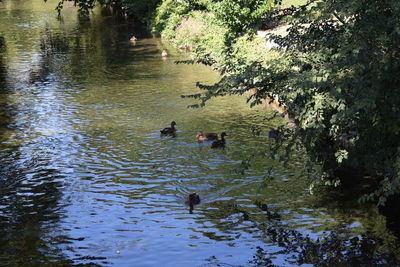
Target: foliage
[210,46]
[239,16]
[233,19]
[338,78]
[168,16]
[189,33]
[84,6]
[142,10]
[289,3]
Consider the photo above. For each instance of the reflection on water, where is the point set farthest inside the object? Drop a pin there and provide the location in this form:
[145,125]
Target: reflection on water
[86,178]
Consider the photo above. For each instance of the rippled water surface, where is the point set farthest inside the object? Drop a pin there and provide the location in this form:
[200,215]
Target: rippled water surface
[86,178]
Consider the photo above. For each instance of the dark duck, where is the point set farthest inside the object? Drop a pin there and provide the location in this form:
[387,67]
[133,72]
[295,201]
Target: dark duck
[169,130]
[219,143]
[193,199]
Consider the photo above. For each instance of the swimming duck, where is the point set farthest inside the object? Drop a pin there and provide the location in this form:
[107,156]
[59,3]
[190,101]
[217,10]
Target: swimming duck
[219,143]
[164,53]
[133,39]
[193,199]
[169,130]
[201,137]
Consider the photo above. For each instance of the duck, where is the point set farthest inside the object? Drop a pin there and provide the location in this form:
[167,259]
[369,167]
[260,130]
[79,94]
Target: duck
[169,130]
[202,137]
[193,199]
[164,53]
[219,143]
[133,39]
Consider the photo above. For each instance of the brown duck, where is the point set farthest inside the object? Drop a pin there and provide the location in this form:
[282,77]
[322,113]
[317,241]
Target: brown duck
[133,39]
[202,137]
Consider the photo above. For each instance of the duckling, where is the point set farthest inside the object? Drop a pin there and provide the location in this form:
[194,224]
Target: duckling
[219,143]
[201,137]
[169,130]
[164,53]
[193,199]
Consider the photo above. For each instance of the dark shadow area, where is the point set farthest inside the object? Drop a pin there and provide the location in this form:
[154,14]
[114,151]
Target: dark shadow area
[30,194]
[346,199]
[392,212]
[3,71]
[3,86]
[332,249]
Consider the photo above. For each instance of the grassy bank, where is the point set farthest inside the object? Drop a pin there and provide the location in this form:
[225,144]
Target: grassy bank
[199,32]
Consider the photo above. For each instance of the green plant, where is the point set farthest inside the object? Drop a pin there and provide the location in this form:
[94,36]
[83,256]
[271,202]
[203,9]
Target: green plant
[338,78]
[142,10]
[239,16]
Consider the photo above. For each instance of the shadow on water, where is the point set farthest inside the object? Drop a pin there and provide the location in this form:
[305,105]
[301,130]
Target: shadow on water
[331,248]
[28,203]
[31,204]
[2,63]
[3,87]
[32,180]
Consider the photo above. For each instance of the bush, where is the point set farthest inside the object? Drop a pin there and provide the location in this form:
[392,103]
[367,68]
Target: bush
[168,16]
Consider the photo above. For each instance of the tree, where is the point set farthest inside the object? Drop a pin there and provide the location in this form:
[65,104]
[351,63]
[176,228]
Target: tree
[338,77]
[142,10]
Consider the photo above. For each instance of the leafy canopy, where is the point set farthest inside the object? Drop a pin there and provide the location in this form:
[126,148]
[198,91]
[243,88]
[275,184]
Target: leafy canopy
[338,78]
[142,10]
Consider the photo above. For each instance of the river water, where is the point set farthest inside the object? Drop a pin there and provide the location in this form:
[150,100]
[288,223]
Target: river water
[86,177]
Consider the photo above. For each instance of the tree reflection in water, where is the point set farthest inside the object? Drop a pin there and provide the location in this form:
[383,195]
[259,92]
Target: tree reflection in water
[31,204]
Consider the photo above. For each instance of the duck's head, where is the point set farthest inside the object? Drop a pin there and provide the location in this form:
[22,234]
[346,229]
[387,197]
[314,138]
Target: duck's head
[223,134]
[199,134]
[173,123]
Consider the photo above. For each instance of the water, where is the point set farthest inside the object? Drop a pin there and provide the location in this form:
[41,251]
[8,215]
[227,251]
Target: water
[86,178]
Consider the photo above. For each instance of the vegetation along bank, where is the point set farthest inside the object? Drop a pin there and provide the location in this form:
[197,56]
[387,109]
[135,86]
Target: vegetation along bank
[335,70]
